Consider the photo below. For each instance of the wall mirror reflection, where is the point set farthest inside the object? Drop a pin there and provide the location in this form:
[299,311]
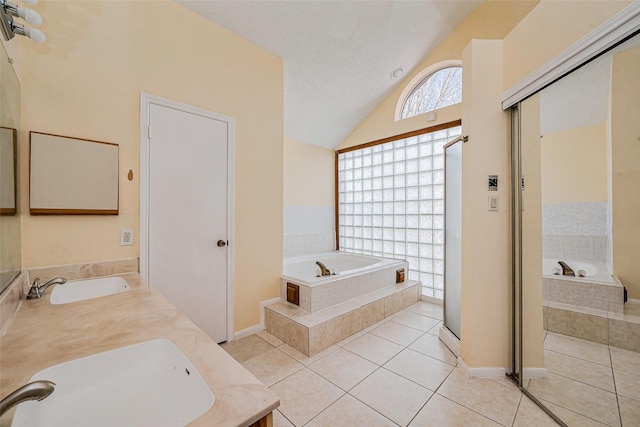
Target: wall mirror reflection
[10,261]
[580,241]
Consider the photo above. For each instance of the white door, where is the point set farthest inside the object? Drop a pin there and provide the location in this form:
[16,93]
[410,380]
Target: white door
[187,216]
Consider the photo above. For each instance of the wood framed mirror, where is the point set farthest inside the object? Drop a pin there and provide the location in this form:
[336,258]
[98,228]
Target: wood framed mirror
[72,176]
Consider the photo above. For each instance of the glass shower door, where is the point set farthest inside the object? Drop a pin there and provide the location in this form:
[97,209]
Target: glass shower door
[453,234]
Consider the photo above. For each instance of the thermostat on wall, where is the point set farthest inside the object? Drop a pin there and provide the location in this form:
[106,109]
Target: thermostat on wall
[493,183]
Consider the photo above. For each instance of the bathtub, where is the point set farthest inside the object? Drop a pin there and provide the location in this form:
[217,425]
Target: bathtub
[599,289]
[355,275]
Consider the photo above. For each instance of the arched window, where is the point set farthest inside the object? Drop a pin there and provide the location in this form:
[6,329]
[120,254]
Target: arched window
[439,89]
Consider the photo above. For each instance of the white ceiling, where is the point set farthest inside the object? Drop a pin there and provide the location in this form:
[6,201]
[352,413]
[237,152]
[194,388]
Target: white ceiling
[338,55]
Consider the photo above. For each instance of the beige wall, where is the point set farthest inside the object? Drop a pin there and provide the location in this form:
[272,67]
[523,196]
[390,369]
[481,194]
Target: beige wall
[86,82]
[625,141]
[532,322]
[486,249]
[549,29]
[574,165]
[309,174]
[491,20]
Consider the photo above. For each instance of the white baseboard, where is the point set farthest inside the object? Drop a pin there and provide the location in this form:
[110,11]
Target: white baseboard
[249,331]
[450,340]
[256,328]
[482,372]
[531,373]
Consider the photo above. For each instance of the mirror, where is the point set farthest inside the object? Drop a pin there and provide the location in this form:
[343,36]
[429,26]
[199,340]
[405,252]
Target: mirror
[580,241]
[72,176]
[10,261]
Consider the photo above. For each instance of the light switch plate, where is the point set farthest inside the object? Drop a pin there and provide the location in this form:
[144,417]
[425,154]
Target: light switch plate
[493,202]
[126,237]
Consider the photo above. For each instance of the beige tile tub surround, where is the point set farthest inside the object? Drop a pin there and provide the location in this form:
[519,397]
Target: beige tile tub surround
[615,329]
[84,328]
[311,333]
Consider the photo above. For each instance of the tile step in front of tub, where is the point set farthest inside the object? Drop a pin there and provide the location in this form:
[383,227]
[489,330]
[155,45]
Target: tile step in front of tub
[310,333]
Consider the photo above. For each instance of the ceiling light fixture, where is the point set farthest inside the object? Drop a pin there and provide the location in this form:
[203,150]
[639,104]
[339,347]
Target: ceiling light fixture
[395,74]
[10,28]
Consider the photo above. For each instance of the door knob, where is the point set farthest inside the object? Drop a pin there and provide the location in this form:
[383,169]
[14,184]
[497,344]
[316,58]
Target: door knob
[221,243]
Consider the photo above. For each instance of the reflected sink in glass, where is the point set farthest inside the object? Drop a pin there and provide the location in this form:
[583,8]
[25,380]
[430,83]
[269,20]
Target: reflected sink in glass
[147,384]
[80,290]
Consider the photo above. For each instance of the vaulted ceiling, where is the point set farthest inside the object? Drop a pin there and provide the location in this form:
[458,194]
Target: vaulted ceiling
[338,55]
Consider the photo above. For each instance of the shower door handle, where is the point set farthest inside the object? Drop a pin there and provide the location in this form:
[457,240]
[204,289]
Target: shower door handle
[221,243]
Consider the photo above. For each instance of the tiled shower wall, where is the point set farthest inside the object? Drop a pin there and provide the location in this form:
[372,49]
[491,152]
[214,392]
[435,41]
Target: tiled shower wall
[577,231]
[308,230]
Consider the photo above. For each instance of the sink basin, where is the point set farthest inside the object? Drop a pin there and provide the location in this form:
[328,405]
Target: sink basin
[147,384]
[80,290]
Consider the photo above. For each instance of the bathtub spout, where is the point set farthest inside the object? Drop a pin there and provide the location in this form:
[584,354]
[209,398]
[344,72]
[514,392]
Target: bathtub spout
[324,271]
[566,270]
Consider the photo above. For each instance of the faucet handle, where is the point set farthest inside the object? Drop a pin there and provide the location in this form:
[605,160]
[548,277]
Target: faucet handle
[36,282]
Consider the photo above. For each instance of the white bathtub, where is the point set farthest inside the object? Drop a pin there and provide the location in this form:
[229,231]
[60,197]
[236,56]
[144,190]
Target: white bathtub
[599,289]
[595,271]
[356,275]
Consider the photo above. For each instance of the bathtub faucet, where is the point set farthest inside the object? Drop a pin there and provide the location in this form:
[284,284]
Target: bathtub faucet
[36,390]
[566,270]
[324,271]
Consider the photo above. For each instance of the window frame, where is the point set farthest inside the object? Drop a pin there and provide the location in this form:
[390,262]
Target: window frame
[422,131]
[417,80]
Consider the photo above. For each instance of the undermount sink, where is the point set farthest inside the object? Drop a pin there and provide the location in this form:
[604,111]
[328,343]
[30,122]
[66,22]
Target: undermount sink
[147,384]
[80,290]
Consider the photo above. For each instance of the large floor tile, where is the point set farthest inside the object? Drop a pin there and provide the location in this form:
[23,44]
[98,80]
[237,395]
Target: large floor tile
[272,366]
[442,412]
[247,347]
[570,418]
[397,333]
[432,346]
[343,368]
[348,412]
[627,384]
[429,309]
[629,412]
[529,414]
[486,397]
[580,370]
[393,396]
[584,399]
[435,331]
[303,358]
[415,320]
[421,369]
[625,360]
[304,395]
[371,347]
[279,420]
[576,347]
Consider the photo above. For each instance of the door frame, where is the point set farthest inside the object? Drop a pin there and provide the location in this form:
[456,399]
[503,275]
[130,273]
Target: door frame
[146,100]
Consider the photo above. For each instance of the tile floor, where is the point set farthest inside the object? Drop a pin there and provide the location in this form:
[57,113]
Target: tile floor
[589,384]
[396,372]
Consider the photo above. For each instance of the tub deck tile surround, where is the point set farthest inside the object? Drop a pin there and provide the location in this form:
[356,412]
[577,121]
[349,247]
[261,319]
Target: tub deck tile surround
[310,333]
[616,329]
[89,327]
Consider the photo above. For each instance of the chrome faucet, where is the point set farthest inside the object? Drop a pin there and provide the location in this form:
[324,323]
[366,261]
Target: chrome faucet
[566,270]
[324,271]
[36,390]
[37,289]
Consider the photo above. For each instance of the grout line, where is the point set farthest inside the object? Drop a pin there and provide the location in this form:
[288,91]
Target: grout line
[615,387]
[515,415]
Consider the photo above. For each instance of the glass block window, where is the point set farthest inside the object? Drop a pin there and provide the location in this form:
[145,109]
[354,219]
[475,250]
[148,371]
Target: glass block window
[440,89]
[391,204]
